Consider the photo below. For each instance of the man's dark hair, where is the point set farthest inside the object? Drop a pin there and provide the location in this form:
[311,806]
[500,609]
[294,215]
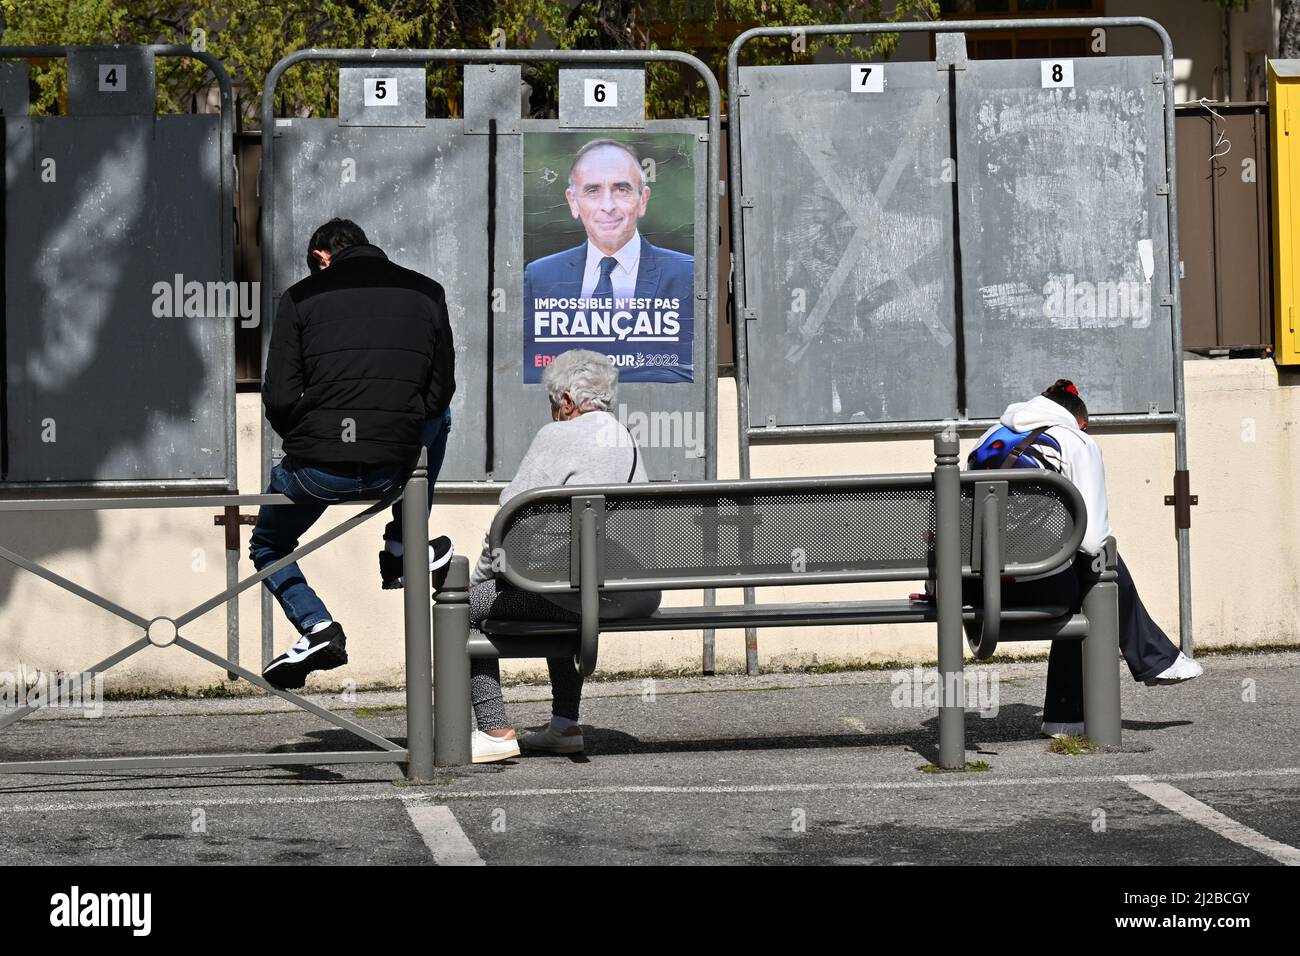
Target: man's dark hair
[335,236]
[1065,394]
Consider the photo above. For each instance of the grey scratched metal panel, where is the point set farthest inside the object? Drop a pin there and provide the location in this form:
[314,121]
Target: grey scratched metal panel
[14,95]
[493,91]
[418,194]
[667,418]
[616,99]
[132,395]
[848,245]
[394,95]
[110,81]
[1060,222]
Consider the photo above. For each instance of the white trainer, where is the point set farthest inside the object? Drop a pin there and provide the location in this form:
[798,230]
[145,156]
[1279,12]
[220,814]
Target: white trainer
[548,740]
[1054,729]
[1182,669]
[489,749]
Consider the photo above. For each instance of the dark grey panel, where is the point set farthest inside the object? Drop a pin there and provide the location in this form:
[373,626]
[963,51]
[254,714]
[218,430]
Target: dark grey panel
[1060,223]
[379,94]
[133,395]
[419,194]
[110,81]
[667,418]
[14,95]
[848,245]
[617,97]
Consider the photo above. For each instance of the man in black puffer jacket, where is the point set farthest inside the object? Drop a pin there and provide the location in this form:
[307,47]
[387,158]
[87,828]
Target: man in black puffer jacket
[359,375]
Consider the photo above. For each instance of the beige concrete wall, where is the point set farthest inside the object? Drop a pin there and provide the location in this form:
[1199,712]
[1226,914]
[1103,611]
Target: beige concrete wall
[1244,560]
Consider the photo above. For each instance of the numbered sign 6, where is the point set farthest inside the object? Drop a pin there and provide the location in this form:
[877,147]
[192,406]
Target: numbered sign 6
[599,93]
[1057,73]
[112,78]
[380,91]
[867,78]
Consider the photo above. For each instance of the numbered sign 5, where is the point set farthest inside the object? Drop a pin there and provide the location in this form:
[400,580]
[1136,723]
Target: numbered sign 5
[867,78]
[1057,73]
[112,78]
[380,91]
[599,93]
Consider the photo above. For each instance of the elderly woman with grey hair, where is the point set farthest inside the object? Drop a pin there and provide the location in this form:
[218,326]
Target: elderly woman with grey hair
[583,445]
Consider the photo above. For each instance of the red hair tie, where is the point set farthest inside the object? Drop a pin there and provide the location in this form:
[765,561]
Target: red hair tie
[1072,390]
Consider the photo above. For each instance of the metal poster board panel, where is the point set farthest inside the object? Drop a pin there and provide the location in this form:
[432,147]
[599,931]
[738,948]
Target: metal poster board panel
[417,193]
[1064,232]
[658,337]
[847,206]
[118,327]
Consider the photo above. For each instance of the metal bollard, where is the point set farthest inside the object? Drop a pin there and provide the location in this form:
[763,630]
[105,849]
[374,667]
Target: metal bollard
[1101,714]
[451,700]
[947,559]
[416,595]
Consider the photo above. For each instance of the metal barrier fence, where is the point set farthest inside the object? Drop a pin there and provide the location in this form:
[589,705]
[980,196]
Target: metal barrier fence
[163,631]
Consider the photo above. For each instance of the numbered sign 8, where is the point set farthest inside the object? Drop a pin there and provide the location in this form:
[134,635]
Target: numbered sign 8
[1058,73]
[112,77]
[380,91]
[867,78]
[599,93]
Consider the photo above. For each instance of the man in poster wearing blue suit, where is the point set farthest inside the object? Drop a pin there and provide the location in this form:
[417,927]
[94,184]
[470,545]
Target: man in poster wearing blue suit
[649,330]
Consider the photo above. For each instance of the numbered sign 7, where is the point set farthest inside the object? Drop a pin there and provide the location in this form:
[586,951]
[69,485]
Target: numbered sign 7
[867,78]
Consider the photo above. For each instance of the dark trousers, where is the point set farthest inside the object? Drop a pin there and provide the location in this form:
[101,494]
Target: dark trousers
[1146,649]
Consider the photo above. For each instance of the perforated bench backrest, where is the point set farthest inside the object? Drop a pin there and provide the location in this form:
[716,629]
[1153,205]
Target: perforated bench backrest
[773,531]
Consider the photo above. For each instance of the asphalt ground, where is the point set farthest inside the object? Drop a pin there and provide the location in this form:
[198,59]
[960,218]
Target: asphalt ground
[777,769]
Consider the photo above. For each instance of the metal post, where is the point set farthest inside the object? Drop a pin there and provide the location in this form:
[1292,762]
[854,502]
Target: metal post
[947,563]
[1101,715]
[451,703]
[231,520]
[415,585]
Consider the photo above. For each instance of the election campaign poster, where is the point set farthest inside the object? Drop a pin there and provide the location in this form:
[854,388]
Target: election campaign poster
[609,251]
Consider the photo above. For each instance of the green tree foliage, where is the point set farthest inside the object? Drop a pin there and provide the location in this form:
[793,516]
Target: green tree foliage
[249,36]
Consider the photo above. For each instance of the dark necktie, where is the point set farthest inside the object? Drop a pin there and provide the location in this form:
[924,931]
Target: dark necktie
[605,287]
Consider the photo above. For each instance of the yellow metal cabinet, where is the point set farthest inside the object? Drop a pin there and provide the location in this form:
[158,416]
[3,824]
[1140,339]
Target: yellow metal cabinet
[1284,107]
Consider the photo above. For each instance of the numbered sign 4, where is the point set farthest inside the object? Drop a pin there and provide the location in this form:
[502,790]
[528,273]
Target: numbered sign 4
[112,78]
[1057,73]
[599,92]
[380,91]
[867,78]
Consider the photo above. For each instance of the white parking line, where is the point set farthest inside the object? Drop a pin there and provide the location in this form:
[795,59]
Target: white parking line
[442,835]
[1192,809]
[944,782]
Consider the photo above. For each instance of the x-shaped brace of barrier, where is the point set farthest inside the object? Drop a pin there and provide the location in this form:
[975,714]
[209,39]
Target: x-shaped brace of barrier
[165,631]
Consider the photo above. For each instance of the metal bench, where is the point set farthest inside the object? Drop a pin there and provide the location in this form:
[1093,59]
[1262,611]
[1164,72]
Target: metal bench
[938,527]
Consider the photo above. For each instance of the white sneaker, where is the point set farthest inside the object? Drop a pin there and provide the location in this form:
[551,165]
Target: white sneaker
[1054,729]
[548,740]
[489,749]
[1182,669]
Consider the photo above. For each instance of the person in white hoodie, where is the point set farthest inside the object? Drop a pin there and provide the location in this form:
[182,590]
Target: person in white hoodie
[1152,658]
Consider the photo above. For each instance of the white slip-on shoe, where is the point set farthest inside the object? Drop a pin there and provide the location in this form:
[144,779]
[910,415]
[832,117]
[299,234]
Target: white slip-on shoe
[549,741]
[1182,669]
[489,749]
[1055,729]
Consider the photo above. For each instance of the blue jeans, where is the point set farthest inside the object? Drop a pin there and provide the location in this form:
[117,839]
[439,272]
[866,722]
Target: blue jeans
[279,527]
[434,439]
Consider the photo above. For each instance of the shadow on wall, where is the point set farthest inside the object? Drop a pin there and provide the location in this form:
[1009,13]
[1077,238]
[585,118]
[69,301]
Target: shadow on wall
[99,209]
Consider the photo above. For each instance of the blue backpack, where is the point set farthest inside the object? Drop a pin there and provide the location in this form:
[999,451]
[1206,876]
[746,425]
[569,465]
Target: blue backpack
[1010,449]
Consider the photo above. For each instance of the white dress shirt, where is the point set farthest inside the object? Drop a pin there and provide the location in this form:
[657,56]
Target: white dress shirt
[623,277]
